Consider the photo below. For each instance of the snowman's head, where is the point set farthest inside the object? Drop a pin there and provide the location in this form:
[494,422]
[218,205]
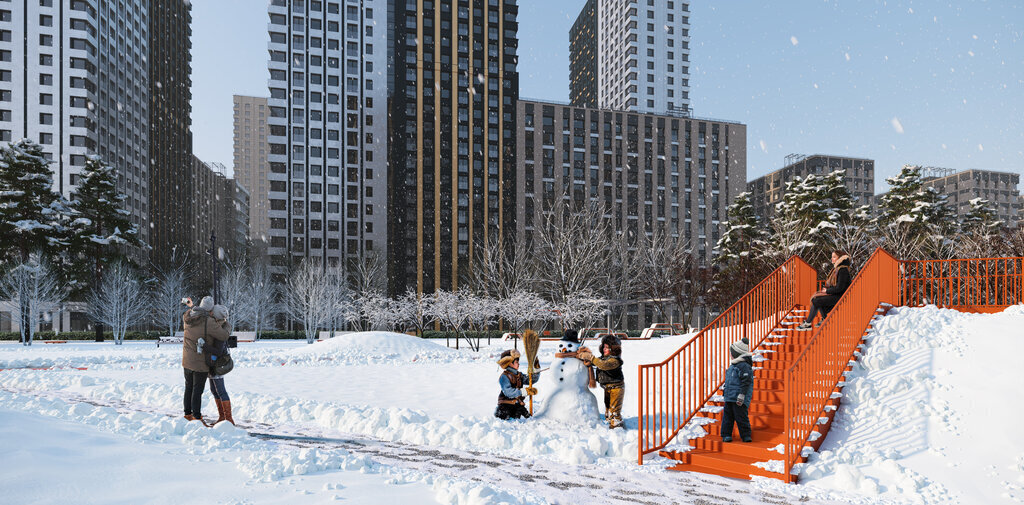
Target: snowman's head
[570,342]
[564,346]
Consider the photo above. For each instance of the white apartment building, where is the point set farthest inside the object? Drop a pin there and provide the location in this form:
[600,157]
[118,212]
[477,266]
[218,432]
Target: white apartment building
[327,130]
[643,54]
[74,77]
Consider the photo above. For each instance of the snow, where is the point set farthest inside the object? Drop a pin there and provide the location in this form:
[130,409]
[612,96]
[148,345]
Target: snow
[360,406]
[928,414]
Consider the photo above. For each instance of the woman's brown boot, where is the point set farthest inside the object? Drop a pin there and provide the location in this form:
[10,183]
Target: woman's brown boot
[226,415]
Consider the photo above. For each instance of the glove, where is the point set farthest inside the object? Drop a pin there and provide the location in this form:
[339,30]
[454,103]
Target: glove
[199,345]
[530,391]
[585,355]
[739,399]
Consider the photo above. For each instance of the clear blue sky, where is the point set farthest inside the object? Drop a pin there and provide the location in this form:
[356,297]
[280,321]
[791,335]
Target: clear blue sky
[929,83]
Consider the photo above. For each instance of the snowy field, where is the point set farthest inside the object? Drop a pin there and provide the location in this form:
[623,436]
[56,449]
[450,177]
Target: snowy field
[930,416]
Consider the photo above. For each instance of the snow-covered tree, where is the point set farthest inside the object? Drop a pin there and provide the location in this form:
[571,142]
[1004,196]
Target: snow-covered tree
[744,237]
[522,308]
[817,203]
[581,309]
[497,270]
[235,292]
[30,209]
[981,232]
[119,301]
[449,308]
[571,252]
[261,298]
[171,284]
[308,300]
[414,310]
[38,287]
[916,215]
[101,230]
[344,304]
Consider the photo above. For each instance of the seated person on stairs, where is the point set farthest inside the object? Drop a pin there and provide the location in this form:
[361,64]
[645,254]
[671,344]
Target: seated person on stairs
[836,284]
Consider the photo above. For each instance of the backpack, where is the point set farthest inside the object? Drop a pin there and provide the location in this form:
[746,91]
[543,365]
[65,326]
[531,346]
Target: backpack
[216,355]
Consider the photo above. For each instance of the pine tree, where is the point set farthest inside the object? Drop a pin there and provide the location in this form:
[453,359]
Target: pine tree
[819,204]
[981,219]
[29,208]
[914,219]
[101,229]
[740,262]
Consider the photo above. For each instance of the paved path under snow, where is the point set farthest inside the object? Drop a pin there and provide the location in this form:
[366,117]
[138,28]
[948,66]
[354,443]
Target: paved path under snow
[555,482]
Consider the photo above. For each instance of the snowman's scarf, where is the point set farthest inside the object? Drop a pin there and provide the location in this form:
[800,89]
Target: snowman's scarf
[567,355]
[592,382]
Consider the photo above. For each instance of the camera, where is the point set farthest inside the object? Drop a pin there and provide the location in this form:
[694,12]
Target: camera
[184,301]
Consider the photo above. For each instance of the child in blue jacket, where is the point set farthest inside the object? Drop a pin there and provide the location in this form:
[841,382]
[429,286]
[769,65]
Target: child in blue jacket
[738,388]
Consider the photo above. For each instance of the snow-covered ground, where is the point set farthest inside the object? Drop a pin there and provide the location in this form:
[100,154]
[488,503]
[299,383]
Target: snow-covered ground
[387,418]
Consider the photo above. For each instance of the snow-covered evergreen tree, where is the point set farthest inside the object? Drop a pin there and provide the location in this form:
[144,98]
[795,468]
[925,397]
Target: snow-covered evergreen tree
[817,203]
[30,209]
[914,219]
[981,232]
[102,227]
[744,237]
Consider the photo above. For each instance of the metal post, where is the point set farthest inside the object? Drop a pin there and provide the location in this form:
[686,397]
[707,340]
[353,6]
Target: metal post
[216,267]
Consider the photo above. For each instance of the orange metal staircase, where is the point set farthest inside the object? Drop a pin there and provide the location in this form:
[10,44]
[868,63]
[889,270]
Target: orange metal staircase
[798,384]
[767,412]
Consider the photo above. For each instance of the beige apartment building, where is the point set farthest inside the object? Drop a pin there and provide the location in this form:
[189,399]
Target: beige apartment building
[250,139]
[999,188]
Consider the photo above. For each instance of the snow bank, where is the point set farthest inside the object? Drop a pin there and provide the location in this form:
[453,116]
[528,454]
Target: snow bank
[377,346]
[929,414]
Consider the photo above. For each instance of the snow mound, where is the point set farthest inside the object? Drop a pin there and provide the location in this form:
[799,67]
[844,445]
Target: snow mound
[377,344]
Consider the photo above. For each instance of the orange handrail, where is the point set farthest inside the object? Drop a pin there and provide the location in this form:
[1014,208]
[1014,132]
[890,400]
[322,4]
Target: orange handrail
[976,284]
[679,386]
[811,379]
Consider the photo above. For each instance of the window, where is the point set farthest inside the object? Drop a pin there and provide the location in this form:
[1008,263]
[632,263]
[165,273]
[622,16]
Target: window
[46,79]
[45,20]
[45,40]
[45,118]
[45,60]
[45,99]
[46,138]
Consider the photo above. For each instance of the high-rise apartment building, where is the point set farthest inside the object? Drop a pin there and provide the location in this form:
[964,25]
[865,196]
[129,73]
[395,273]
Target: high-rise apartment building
[452,137]
[170,136]
[643,55]
[74,76]
[583,57]
[327,130]
[999,188]
[858,174]
[650,173]
[647,170]
[251,147]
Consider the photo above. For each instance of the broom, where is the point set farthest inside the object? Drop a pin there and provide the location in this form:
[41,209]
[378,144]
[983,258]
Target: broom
[531,343]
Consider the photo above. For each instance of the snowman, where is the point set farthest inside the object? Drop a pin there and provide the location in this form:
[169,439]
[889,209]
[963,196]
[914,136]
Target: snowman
[570,400]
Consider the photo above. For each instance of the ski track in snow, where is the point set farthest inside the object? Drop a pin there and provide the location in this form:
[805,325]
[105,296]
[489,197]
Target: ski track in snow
[286,448]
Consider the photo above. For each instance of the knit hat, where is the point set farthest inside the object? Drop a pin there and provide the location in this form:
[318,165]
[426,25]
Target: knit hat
[219,312]
[740,348]
[507,358]
[206,303]
[570,335]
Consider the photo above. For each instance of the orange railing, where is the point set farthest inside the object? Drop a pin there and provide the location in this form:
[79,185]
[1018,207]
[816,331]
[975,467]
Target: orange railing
[977,285]
[811,379]
[672,391]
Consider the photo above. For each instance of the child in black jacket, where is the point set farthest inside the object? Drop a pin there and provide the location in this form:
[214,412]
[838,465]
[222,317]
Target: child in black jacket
[738,388]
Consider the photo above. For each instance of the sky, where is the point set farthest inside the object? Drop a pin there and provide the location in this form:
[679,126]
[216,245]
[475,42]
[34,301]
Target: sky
[926,83]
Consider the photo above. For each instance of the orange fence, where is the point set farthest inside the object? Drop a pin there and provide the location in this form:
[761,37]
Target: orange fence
[811,379]
[977,285]
[672,391]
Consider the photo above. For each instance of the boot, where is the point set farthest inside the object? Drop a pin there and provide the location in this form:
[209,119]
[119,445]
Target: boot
[220,411]
[227,411]
[190,417]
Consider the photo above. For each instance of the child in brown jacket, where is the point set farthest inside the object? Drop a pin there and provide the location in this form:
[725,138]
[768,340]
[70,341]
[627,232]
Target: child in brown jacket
[609,376]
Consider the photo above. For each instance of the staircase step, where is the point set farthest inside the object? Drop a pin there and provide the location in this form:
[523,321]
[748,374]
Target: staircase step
[759,407]
[729,463]
[758,449]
